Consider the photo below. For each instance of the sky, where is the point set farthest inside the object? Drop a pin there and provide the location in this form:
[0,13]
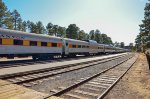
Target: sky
[119,19]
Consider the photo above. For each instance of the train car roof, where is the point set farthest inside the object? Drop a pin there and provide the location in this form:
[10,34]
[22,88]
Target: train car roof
[102,44]
[27,33]
[75,40]
[108,45]
[91,41]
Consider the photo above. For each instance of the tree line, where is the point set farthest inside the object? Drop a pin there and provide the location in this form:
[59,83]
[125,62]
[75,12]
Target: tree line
[12,20]
[142,41]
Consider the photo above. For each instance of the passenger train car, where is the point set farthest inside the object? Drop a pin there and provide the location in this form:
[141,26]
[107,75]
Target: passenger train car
[16,44]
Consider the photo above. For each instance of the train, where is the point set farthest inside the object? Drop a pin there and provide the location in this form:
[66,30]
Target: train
[23,44]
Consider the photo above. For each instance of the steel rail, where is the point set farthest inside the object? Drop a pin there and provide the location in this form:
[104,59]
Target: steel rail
[7,76]
[106,91]
[65,71]
[84,81]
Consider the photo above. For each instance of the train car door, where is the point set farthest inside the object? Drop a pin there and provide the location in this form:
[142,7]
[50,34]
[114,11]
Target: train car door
[66,48]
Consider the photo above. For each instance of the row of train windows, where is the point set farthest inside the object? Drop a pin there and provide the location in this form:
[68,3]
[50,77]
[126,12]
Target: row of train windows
[80,46]
[31,43]
[100,47]
[35,43]
[83,46]
[109,48]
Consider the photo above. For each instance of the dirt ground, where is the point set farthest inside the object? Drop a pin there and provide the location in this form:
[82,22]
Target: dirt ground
[135,84]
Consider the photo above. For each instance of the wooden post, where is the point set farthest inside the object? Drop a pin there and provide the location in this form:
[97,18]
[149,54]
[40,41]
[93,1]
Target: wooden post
[148,59]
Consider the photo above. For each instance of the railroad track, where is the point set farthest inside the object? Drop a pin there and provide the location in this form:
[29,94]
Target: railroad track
[24,78]
[97,85]
[17,63]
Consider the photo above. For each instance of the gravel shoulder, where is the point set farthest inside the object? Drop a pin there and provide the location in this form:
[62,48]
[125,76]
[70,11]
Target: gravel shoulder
[135,84]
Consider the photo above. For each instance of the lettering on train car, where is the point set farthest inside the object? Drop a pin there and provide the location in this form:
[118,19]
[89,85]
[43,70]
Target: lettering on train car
[11,36]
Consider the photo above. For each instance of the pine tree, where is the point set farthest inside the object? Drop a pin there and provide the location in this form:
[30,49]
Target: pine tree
[49,28]
[144,35]
[5,17]
[81,35]
[98,36]
[92,35]
[55,29]
[8,21]
[16,19]
[72,31]
[19,25]
[40,28]
[24,26]
[31,27]
[61,32]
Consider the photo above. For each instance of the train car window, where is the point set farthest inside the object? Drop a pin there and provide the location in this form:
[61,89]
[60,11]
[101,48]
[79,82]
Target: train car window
[74,46]
[79,46]
[54,44]
[0,41]
[33,43]
[100,47]
[43,43]
[66,44]
[18,42]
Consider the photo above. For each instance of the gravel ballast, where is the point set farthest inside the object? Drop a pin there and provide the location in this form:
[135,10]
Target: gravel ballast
[135,84]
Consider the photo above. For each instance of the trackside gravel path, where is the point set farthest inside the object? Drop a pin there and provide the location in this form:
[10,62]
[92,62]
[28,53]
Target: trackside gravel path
[135,84]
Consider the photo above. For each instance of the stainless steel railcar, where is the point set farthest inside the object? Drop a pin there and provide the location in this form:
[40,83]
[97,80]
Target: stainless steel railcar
[17,43]
[74,47]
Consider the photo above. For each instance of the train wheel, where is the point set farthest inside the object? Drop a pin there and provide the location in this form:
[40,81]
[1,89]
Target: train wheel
[34,58]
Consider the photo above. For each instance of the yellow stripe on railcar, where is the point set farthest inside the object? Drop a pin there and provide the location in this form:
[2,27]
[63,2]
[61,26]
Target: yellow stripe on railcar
[49,44]
[38,43]
[70,45]
[59,45]
[7,41]
[26,43]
